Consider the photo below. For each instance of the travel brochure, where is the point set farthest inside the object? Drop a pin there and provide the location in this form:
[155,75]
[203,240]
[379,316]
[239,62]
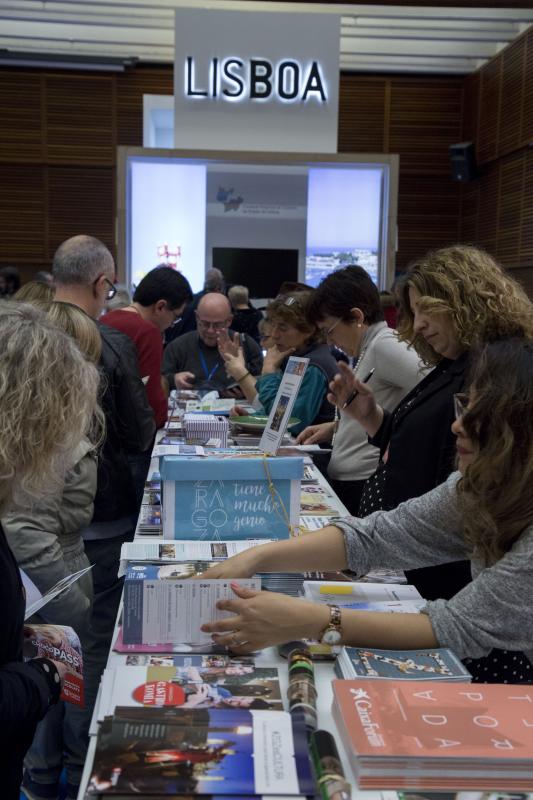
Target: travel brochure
[280,413]
[173,751]
[180,551]
[59,643]
[438,663]
[159,606]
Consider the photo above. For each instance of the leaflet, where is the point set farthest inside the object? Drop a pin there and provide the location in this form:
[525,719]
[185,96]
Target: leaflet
[177,551]
[58,588]
[59,643]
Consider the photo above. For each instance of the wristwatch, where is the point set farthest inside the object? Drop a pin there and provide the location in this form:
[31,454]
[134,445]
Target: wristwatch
[332,633]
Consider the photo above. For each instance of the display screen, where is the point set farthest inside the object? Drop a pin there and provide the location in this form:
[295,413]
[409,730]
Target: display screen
[262,271]
[260,223]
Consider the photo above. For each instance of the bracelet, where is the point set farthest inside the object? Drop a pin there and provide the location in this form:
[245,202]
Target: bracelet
[243,376]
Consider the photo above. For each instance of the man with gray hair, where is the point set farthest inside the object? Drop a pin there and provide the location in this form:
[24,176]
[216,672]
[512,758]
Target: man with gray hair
[84,274]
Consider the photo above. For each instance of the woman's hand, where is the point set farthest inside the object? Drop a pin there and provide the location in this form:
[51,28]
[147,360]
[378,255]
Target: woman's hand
[273,359]
[234,361]
[262,619]
[243,565]
[363,407]
[316,434]
[228,345]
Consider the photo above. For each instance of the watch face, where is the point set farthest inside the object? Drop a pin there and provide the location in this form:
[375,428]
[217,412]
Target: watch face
[331,637]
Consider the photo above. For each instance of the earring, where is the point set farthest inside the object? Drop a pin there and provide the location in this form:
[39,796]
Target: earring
[359,325]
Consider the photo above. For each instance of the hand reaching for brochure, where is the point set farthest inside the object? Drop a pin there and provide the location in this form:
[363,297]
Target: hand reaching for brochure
[184,380]
[263,619]
[240,566]
[363,407]
[316,434]
[274,357]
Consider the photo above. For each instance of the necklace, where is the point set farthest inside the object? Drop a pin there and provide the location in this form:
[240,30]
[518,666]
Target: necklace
[355,370]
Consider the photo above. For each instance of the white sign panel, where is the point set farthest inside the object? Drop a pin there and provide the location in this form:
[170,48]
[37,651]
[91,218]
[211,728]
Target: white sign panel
[250,80]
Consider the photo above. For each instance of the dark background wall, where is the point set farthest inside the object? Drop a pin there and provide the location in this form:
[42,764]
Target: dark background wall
[59,131]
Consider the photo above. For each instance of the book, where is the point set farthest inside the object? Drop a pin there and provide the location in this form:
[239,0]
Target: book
[436,735]
[231,752]
[438,663]
[189,687]
[59,643]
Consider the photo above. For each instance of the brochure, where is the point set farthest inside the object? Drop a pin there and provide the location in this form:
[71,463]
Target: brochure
[177,551]
[159,606]
[189,687]
[438,663]
[58,588]
[203,752]
[281,409]
[59,643]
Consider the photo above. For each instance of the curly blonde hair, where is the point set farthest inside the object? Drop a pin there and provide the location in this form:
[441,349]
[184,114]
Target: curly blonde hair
[495,493]
[48,396]
[482,301]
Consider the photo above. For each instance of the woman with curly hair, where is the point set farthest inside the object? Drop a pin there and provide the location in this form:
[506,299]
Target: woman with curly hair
[483,512]
[452,300]
[48,397]
[291,334]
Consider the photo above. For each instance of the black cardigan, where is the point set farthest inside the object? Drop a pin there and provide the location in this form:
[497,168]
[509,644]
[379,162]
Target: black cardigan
[421,455]
[24,689]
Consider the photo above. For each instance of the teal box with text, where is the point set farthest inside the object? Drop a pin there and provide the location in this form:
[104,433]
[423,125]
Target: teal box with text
[230,499]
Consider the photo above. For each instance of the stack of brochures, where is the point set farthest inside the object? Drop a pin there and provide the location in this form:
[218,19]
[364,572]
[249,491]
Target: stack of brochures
[437,735]
[438,663]
[397,598]
[231,752]
[205,427]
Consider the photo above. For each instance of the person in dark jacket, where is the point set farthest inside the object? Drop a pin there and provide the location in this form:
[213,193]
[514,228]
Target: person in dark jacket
[452,300]
[48,395]
[84,272]
[246,318]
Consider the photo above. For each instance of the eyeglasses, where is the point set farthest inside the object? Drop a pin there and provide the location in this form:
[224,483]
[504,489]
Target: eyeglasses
[329,331]
[460,404]
[217,326]
[175,314]
[111,292]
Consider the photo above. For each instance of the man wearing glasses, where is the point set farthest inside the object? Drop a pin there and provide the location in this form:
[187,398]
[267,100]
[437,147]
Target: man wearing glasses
[157,305]
[84,274]
[193,361]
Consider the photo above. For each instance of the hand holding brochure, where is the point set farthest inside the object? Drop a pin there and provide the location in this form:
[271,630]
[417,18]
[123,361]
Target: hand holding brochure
[59,643]
[168,552]
[60,587]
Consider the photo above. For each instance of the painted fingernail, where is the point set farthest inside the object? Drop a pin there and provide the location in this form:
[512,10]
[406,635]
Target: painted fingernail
[235,585]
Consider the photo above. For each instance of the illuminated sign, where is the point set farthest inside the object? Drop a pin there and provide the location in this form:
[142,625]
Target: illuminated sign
[235,79]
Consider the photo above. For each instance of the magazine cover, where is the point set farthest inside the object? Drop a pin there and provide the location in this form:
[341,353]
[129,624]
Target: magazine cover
[190,687]
[59,643]
[231,752]
[436,664]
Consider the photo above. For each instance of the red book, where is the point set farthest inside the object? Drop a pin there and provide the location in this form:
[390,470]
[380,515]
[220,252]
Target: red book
[439,735]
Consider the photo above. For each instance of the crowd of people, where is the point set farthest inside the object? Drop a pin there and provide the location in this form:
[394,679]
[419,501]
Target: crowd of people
[430,429]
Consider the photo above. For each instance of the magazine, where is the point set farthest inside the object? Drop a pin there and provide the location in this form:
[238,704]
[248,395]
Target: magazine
[189,687]
[197,752]
[348,594]
[438,663]
[59,643]
[440,735]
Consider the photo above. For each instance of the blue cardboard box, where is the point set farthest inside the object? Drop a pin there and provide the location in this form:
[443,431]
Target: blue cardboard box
[230,499]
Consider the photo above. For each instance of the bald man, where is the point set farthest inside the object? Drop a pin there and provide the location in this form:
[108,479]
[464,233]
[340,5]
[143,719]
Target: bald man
[192,361]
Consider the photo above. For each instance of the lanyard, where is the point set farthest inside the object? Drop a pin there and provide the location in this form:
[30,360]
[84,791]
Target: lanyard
[208,375]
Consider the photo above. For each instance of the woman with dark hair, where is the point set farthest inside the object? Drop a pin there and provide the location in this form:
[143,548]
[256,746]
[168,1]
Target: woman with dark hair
[346,306]
[483,512]
[292,334]
[452,299]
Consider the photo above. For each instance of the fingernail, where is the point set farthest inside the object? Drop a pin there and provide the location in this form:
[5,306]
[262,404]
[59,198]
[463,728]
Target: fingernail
[235,585]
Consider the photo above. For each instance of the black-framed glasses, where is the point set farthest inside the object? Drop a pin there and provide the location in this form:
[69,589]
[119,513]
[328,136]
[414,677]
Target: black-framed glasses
[460,404]
[176,314]
[111,292]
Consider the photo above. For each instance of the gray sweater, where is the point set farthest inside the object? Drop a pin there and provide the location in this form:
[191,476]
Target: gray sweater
[397,370]
[494,610]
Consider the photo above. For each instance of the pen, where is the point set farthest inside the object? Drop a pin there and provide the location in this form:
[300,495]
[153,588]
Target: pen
[328,768]
[351,397]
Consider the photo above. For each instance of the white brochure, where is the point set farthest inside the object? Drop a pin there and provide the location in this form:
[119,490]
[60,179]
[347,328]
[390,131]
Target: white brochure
[182,551]
[281,410]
